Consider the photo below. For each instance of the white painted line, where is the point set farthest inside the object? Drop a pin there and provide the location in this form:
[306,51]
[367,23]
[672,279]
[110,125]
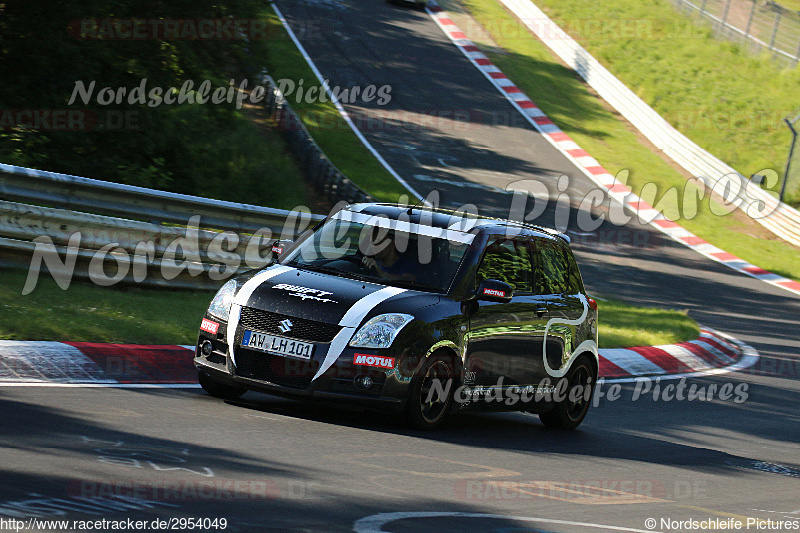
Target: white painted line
[375,523]
[627,197]
[98,385]
[339,107]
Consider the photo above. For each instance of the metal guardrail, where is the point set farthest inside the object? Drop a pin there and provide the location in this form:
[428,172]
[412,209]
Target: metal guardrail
[101,197]
[110,232]
[110,250]
[323,174]
[145,252]
[782,219]
[105,227]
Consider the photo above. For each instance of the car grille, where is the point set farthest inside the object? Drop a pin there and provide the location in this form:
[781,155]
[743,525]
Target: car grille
[283,371]
[302,329]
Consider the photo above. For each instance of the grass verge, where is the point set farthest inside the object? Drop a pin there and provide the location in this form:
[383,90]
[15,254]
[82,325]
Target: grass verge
[624,326]
[324,122]
[560,93]
[89,313]
[726,100]
[86,312]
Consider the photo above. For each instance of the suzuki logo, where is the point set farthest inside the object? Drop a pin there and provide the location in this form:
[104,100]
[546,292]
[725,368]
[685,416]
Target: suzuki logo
[286,325]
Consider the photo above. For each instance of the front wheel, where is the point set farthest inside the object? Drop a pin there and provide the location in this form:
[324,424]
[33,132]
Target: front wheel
[431,393]
[571,410]
[217,389]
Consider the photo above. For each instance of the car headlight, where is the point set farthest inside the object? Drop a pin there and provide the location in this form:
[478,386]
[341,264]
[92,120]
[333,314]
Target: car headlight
[379,332]
[221,304]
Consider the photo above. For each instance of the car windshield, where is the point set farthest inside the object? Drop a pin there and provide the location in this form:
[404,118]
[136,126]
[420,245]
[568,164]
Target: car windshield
[382,250]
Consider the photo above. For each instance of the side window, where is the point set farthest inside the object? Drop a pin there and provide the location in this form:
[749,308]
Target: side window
[574,282]
[552,272]
[508,261]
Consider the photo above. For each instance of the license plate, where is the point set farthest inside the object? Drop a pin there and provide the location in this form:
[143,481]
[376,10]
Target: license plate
[277,345]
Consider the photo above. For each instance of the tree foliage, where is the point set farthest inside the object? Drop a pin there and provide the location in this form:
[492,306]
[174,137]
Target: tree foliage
[188,148]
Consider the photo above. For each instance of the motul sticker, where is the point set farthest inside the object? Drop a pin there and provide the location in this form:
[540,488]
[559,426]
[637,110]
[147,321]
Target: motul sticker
[494,292]
[277,250]
[209,326]
[373,360]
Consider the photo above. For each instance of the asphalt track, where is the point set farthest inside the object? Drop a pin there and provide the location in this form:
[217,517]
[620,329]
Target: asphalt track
[316,468]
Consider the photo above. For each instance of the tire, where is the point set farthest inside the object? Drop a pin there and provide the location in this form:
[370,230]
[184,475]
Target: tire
[217,389]
[569,414]
[425,414]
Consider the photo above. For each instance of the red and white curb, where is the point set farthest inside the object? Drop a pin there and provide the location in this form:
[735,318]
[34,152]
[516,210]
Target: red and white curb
[88,364]
[710,354]
[590,166]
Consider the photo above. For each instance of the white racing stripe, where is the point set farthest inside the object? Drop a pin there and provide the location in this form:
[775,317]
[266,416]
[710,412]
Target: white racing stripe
[588,345]
[350,321]
[451,235]
[243,296]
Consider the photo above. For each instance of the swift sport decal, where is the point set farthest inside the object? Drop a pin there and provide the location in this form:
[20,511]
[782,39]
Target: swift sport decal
[350,321]
[305,293]
[244,295]
[588,345]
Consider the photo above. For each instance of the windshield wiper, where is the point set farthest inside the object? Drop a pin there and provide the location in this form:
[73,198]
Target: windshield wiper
[317,268]
[411,284]
[335,272]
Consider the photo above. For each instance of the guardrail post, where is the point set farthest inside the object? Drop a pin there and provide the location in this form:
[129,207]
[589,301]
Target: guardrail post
[703,8]
[775,30]
[789,123]
[750,20]
[725,12]
[797,54]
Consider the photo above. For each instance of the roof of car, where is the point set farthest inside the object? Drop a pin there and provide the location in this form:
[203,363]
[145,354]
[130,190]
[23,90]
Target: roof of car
[445,218]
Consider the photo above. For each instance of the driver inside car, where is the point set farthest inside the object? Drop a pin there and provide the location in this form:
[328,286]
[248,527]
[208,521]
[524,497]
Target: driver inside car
[388,261]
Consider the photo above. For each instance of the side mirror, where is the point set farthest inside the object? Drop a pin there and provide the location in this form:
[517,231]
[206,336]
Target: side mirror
[492,290]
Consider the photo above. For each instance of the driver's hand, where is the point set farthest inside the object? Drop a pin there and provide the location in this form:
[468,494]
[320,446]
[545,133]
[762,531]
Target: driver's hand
[369,262]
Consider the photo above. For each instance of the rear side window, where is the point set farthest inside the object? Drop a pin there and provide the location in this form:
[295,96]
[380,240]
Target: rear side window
[508,261]
[574,281]
[556,271]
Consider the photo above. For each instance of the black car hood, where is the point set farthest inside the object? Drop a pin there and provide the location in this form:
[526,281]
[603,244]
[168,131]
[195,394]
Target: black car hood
[327,298]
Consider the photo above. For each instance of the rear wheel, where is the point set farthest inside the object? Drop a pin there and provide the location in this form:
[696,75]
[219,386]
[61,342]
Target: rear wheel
[217,389]
[432,393]
[572,409]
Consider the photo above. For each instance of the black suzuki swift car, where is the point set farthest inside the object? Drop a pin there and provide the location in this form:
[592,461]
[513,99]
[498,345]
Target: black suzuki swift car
[415,309]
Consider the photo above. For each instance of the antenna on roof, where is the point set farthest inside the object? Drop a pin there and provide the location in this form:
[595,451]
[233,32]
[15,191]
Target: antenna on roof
[410,209]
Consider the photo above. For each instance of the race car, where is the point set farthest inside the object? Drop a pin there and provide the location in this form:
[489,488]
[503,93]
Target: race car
[410,309]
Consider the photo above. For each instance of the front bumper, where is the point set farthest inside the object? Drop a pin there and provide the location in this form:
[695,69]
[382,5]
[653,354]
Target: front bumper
[290,377]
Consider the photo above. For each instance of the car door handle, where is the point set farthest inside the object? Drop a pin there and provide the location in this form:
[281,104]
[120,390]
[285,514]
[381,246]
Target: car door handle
[540,311]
